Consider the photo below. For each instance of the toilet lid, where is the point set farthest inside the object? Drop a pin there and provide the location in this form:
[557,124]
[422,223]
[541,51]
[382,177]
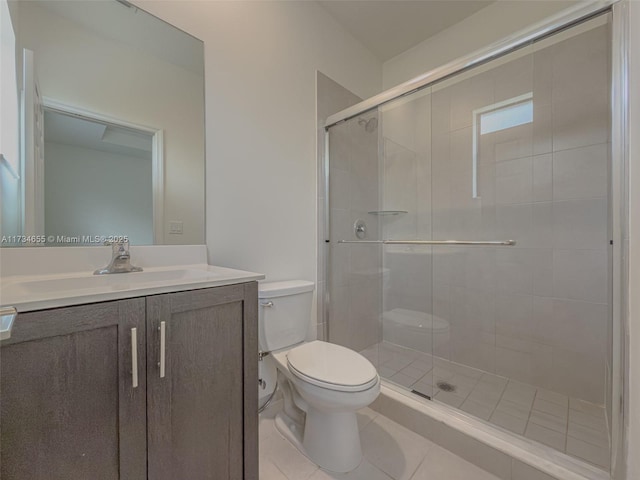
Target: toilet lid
[332,366]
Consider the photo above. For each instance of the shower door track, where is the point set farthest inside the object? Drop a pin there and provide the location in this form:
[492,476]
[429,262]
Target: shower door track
[538,31]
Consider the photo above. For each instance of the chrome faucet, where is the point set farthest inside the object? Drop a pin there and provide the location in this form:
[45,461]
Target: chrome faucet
[120,260]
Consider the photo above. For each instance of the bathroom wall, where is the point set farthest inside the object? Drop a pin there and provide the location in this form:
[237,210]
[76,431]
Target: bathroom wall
[331,98]
[261,60]
[489,25]
[144,94]
[79,193]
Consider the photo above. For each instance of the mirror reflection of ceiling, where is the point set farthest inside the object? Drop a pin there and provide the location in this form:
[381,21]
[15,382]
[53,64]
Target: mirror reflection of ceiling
[81,132]
[113,20]
[389,27]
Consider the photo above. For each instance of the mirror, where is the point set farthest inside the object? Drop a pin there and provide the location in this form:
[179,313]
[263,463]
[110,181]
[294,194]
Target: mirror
[106,105]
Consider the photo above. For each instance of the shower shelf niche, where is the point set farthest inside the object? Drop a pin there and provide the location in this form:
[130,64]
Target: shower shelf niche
[387,212]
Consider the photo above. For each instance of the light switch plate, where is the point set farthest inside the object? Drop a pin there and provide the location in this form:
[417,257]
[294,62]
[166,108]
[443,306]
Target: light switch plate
[175,228]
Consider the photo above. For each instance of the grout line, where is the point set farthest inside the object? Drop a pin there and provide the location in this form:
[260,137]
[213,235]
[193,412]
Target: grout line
[526,425]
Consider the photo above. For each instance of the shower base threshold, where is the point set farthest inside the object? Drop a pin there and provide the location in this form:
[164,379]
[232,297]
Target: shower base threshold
[567,425]
[498,451]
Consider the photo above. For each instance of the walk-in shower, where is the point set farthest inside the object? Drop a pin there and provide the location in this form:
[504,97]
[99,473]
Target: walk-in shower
[469,240]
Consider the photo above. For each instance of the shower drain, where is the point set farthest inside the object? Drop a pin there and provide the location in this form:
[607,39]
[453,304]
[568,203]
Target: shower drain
[446,387]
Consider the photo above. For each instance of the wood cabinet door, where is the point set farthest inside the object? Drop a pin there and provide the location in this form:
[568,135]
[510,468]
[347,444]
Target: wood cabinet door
[68,407]
[202,412]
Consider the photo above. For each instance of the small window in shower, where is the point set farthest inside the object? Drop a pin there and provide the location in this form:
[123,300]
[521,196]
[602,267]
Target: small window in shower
[506,117]
[496,117]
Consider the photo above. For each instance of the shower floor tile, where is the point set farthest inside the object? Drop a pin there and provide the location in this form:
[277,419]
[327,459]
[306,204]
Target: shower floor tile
[570,425]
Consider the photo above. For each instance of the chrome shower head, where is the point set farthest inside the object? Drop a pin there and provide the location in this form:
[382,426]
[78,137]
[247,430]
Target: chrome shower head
[369,125]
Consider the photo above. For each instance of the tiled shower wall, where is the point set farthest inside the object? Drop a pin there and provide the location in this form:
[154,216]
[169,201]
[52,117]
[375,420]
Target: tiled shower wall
[537,312]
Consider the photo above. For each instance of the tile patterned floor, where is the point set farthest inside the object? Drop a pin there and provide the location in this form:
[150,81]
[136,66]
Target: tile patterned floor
[569,425]
[390,452]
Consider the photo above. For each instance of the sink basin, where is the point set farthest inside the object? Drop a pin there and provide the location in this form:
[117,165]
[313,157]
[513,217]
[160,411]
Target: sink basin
[119,281]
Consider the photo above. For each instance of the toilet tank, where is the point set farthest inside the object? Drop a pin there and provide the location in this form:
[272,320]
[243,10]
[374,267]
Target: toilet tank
[284,310]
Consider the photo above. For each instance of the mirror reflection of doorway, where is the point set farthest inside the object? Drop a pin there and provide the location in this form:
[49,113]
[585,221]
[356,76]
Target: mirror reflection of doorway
[97,180]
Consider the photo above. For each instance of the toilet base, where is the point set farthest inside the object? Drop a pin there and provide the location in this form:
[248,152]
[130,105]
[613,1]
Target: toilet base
[330,440]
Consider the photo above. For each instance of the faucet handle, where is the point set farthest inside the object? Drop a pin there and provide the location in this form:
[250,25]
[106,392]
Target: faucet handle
[120,247]
[117,245]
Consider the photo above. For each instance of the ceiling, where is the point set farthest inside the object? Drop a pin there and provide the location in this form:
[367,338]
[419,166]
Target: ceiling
[389,27]
[124,23]
[94,135]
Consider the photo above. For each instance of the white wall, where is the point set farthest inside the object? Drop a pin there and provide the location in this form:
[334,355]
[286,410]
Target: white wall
[9,138]
[83,69]
[489,25]
[633,447]
[79,194]
[260,65]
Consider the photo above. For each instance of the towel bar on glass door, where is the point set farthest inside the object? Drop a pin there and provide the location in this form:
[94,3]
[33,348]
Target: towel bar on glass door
[506,243]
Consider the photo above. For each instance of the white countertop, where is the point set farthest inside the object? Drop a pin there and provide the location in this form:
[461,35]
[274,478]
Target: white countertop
[37,278]
[38,292]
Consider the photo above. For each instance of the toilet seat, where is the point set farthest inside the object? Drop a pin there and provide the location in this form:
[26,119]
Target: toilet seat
[332,367]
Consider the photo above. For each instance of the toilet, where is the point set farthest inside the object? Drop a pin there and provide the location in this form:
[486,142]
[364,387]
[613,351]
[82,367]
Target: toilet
[323,384]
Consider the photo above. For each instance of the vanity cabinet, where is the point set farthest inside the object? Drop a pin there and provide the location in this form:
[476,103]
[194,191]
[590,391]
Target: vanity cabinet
[202,414]
[70,407]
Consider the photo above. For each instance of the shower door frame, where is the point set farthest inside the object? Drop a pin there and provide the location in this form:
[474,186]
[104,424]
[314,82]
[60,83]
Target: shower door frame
[618,183]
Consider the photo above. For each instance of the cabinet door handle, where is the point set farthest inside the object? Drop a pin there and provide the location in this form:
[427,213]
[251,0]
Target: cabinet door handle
[163,341]
[134,357]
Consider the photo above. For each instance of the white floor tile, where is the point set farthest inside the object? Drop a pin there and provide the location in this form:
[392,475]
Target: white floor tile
[365,416]
[286,458]
[486,397]
[587,408]
[514,409]
[422,365]
[546,436]
[551,408]
[599,438]
[477,409]
[392,448]
[402,379]
[425,388]
[268,471]
[440,464]
[587,420]
[591,453]
[365,471]
[553,397]
[449,398]
[386,372]
[413,372]
[549,421]
[398,363]
[511,423]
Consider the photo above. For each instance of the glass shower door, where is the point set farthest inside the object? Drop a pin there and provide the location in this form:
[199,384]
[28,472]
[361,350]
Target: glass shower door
[405,216]
[379,189]
[520,152]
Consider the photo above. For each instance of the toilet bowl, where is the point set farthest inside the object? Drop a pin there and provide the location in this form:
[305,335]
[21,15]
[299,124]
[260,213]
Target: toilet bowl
[323,384]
